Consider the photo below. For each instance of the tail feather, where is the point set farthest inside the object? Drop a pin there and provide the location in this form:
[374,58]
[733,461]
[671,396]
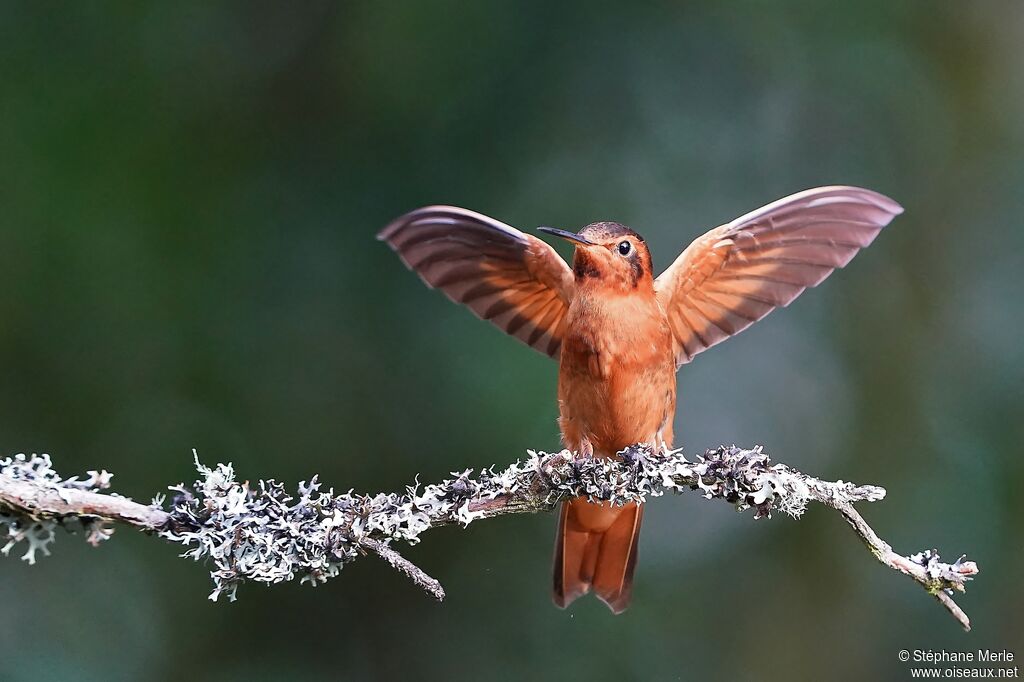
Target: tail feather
[616,561]
[596,548]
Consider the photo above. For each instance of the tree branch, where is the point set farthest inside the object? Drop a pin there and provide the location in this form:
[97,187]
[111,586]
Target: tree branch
[264,534]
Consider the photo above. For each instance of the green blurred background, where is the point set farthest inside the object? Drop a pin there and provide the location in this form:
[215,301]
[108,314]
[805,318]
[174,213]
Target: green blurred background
[190,194]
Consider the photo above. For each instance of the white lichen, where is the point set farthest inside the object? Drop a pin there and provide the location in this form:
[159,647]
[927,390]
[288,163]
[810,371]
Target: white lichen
[265,534]
[38,531]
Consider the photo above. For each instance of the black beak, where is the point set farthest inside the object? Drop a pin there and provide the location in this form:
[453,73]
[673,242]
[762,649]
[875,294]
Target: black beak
[564,234]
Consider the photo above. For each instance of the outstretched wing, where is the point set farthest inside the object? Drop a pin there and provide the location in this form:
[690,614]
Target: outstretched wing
[737,273]
[512,279]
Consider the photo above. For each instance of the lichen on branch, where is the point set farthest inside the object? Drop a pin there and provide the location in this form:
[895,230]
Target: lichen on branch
[264,533]
[37,530]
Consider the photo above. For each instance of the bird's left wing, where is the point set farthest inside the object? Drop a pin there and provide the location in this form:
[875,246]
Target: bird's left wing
[737,273]
[514,280]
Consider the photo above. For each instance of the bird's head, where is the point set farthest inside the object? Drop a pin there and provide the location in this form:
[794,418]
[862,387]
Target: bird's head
[609,255]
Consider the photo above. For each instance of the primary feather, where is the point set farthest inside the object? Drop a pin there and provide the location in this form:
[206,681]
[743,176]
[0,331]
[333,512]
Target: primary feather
[736,274]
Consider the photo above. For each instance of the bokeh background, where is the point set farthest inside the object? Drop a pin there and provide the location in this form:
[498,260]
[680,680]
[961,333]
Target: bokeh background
[188,201]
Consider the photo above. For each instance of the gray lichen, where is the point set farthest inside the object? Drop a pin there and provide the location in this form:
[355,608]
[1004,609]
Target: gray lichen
[259,533]
[264,533]
[37,532]
[944,576]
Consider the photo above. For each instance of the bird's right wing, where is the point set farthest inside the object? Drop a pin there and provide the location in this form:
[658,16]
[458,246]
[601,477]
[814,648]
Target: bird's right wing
[737,273]
[512,279]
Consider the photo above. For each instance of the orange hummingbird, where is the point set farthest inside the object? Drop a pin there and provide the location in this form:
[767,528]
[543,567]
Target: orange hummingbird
[619,334]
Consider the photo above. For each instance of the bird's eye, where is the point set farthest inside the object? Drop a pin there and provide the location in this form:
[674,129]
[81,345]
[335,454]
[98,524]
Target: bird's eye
[625,248]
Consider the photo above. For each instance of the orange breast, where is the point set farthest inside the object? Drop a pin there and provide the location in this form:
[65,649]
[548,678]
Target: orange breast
[616,383]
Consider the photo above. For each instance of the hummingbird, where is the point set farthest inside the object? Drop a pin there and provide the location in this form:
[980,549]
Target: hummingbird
[619,333]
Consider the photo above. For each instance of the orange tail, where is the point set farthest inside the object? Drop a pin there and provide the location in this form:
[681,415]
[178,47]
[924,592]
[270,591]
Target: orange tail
[596,549]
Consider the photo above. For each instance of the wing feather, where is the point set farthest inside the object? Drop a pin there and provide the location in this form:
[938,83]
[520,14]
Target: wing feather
[737,273]
[512,279]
